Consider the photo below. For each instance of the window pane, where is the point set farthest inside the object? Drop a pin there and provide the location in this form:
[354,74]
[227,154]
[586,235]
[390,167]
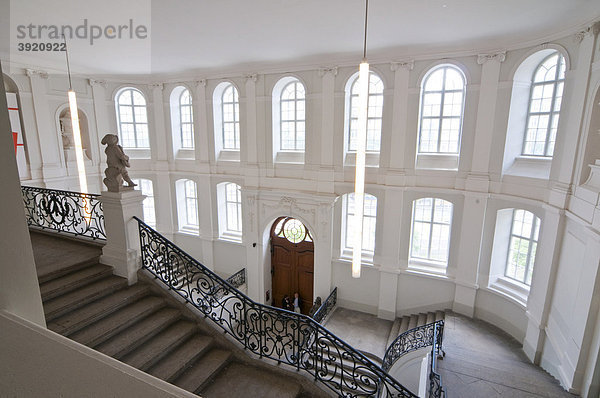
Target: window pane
[430,234]
[374,114]
[132,119]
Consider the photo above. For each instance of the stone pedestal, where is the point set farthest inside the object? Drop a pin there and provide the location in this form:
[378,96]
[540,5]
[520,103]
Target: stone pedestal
[122,240]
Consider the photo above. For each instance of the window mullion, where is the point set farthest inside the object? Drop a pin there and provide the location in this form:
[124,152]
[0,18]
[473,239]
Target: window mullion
[442,99]
[431,229]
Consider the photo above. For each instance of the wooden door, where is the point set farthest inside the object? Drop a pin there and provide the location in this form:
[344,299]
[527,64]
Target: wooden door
[292,262]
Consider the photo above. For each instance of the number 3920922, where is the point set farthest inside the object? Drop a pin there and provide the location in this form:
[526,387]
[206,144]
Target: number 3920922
[41,46]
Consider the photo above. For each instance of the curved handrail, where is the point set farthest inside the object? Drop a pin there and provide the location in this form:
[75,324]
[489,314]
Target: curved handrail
[74,213]
[274,333]
[416,338]
[326,307]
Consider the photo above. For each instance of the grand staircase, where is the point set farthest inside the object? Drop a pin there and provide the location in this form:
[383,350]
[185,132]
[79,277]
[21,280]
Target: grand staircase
[408,322]
[137,325]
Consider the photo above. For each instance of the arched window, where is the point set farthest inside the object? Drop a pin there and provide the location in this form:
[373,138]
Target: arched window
[132,118]
[229,198]
[292,117]
[186,120]
[430,232]
[524,233]
[187,205]
[544,106]
[369,224]
[147,189]
[442,103]
[374,114]
[230,109]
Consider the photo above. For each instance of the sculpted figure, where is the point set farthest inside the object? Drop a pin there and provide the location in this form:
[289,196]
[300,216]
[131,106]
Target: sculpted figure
[117,163]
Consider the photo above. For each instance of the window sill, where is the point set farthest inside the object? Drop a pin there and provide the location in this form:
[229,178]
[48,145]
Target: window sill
[187,154]
[437,161]
[189,230]
[367,257]
[371,159]
[530,166]
[427,267]
[138,153]
[227,155]
[231,237]
[516,291]
[290,157]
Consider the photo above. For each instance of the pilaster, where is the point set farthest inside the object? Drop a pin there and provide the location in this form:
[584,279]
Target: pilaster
[159,141]
[201,131]
[395,175]
[326,173]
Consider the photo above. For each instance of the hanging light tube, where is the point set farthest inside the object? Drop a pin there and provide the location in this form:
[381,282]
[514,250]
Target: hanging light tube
[360,164]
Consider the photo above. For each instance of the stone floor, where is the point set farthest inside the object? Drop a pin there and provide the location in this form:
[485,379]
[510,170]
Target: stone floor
[363,331]
[481,360]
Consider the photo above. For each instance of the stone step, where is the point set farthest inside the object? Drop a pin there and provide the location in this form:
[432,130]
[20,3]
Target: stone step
[74,280]
[430,318]
[118,321]
[240,380]
[394,332]
[422,320]
[70,301]
[84,316]
[137,334]
[159,346]
[43,278]
[198,376]
[414,320]
[403,325]
[178,361]
[440,315]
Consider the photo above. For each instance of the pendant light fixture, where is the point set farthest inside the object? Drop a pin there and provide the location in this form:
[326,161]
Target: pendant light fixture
[361,143]
[76,130]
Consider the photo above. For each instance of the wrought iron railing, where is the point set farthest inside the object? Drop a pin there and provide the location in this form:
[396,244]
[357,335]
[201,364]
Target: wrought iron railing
[411,340]
[326,308]
[423,336]
[283,336]
[236,280]
[64,211]
[436,390]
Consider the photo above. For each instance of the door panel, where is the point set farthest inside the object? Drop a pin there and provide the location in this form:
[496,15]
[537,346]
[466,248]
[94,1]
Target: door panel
[292,267]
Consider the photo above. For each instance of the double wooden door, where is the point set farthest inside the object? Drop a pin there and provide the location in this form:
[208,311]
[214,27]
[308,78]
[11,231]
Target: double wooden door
[292,262]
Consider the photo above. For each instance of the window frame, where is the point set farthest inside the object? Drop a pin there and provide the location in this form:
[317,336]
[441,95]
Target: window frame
[236,118]
[441,116]
[428,260]
[530,262]
[347,244]
[237,203]
[194,224]
[133,123]
[190,123]
[296,120]
[552,114]
[349,118]
[146,208]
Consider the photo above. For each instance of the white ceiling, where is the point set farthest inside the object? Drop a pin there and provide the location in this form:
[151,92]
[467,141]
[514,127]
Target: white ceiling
[211,37]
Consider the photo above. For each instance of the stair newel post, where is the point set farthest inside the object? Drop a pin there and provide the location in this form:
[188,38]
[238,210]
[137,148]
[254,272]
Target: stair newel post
[121,251]
[261,332]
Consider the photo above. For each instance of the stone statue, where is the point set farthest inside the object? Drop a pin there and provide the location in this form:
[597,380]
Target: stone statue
[66,130]
[117,163]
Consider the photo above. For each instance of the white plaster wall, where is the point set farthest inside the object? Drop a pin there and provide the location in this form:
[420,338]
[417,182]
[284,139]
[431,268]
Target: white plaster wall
[308,191]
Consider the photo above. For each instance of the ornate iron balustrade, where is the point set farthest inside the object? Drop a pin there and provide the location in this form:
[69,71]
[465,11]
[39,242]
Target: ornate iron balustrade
[423,336]
[436,390]
[74,213]
[326,308]
[269,332]
[238,279]
[411,340]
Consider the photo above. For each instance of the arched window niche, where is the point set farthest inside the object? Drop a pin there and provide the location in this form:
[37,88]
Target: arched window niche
[16,125]
[226,118]
[533,121]
[441,111]
[516,238]
[182,122]
[65,130]
[132,122]
[289,120]
[374,119]
[590,164]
